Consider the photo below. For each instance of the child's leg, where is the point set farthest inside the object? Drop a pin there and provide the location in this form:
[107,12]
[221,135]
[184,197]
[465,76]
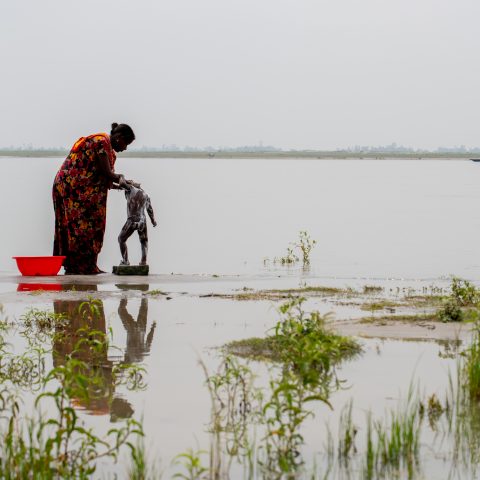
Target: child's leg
[127,230]
[143,234]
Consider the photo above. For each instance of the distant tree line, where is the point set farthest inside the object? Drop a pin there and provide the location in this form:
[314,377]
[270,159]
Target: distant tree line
[395,148]
[391,148]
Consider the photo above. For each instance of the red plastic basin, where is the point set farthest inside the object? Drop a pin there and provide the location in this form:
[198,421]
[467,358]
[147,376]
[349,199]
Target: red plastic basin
[43,266]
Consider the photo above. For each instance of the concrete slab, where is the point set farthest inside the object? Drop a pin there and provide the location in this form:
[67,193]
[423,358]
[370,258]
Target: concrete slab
[131,270]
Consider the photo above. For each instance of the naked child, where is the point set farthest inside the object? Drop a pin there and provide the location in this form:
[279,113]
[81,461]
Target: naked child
[137,202]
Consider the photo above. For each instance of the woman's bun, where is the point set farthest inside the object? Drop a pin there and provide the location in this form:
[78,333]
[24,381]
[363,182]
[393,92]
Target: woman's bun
[124,130]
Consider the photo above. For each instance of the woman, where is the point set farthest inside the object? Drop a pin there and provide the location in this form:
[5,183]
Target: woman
[80,197]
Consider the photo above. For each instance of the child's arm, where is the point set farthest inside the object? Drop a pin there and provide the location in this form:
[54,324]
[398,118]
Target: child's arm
[150,212]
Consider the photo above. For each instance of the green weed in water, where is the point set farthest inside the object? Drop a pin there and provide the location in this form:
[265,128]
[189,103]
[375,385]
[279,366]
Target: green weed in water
[156,293]
[450,312]
[372,289]
[306,354]
[191,461]
[347,434]
[289,259]
[141,467]
[301,341]
[393,444]
[235,405]
[304,246]
[462,411]
[434,411]
[471,368]
[464,292]
[462,304]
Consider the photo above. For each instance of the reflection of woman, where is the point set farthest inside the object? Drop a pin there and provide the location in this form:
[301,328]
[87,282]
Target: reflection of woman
[80,197]
[83,322]
[80,322]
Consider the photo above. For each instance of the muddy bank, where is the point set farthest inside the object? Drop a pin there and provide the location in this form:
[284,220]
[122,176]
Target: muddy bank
[421,331]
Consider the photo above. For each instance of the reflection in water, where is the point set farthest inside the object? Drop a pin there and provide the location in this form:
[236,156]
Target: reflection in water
[32,287]
[103,400]
[138,343]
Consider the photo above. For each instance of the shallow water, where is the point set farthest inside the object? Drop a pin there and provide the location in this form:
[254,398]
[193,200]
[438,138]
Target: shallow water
[388,218]
[398,224]
[170,337]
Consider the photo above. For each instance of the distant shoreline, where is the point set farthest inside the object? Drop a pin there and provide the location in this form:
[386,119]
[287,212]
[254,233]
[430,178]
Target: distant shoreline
[313,155]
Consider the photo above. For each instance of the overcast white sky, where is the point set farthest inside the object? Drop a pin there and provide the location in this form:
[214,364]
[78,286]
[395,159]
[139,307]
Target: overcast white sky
[320,74]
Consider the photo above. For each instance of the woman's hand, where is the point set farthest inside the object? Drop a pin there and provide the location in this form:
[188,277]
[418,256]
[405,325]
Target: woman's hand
[121,181]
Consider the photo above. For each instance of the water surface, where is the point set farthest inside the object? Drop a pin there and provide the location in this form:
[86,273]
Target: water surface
[372,218]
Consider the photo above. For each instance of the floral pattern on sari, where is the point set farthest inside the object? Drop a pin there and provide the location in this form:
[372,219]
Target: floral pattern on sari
[80,202]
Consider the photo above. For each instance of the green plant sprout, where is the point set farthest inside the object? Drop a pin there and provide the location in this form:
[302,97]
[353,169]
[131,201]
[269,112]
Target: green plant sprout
[191,461]
[304,246]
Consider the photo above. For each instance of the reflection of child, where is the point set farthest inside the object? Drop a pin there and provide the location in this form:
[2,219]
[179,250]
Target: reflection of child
[138,341]
[137,202]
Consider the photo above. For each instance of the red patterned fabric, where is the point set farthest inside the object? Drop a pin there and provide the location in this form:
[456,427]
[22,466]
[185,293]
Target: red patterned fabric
[80,203]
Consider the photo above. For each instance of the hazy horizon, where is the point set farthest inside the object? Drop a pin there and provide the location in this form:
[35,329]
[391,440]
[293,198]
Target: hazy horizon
[303,74]
[254,150]
[393,148]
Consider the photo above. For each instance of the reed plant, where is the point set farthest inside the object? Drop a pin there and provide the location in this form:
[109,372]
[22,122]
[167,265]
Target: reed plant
[464,416]
[471,369]
[347,433]
[392,444]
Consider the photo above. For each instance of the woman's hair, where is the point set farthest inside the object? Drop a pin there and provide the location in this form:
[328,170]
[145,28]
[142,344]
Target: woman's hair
[124,130]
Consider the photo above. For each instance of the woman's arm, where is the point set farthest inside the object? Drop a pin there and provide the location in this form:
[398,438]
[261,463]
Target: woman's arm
[116,186]
[106,170]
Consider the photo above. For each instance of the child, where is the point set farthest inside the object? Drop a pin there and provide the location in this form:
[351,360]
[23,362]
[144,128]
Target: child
[137,202]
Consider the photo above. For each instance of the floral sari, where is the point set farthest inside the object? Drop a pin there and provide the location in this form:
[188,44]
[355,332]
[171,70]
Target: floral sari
[80,203]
